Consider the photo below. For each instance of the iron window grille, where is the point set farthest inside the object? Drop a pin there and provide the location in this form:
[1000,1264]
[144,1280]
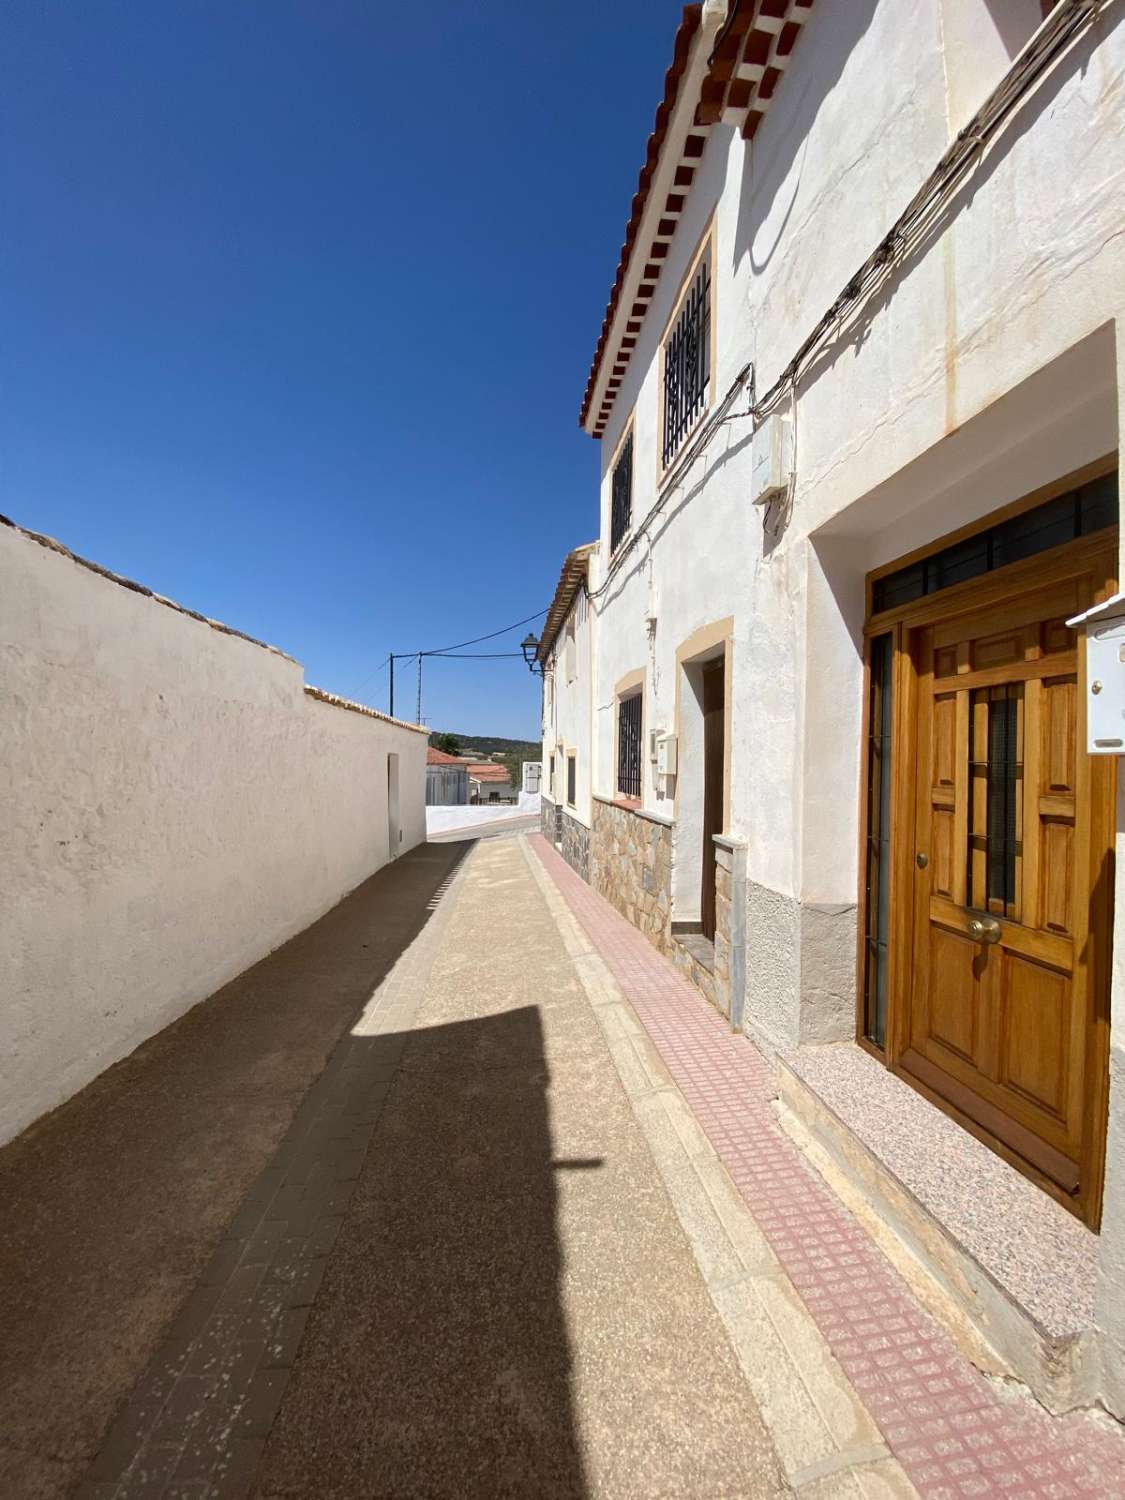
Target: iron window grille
[629,746]
[570,779]
[621,509]
[687,362]
[1080,512]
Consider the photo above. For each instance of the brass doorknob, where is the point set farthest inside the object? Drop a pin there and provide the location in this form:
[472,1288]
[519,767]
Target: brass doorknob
[984,929]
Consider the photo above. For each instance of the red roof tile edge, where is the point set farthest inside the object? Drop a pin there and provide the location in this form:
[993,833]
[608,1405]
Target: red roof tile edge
[689,25]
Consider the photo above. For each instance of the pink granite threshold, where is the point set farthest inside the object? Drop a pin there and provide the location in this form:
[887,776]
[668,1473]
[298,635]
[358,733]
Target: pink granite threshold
[954,1432]
[1041,1257]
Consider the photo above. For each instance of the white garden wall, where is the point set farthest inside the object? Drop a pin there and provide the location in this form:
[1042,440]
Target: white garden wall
[174,804]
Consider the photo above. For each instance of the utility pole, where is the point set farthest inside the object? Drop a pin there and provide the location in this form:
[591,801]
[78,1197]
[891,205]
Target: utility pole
[418,713]
[391,708]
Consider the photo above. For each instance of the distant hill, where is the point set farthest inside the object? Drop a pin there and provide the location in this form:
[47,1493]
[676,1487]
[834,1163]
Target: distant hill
[511,753]
[488,744]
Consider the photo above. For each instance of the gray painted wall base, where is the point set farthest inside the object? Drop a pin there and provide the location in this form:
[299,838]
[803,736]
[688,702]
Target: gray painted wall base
[800,969]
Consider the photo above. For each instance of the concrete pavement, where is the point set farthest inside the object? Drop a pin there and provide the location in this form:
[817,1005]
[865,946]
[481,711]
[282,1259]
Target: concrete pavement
[374,1221]
[111,1206]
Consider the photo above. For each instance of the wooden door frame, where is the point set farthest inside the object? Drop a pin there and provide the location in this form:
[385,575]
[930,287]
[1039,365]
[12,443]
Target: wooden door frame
[1055,565]
[712,751]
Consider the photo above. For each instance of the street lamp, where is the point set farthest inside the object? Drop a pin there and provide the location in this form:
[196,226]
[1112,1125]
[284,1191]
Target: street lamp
[530,648]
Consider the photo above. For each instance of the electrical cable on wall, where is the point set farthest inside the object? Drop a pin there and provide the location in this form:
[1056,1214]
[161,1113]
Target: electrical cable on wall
[1064,23]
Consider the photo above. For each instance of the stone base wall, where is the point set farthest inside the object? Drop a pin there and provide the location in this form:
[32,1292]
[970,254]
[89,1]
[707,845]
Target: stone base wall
[574,844]
[721,975]
[730,930]
[704,979]
[550,819]
[630,864]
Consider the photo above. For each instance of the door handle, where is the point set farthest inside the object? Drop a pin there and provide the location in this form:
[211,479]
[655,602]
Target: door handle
[984,929]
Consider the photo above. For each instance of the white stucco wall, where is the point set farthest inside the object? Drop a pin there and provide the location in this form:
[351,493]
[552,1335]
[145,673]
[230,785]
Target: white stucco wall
[1018,293]
[441,820]
[567,709]
[990,364]
[174,806]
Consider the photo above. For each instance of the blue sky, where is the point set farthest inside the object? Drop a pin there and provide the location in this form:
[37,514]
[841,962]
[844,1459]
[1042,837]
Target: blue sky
[300,301]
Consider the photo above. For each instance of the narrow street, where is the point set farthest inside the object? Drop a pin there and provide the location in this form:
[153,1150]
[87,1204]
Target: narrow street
[464,1192]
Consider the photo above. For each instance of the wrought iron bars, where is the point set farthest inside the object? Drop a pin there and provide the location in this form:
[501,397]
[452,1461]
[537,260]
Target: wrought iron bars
[629,746]
[621,507]
[687,362]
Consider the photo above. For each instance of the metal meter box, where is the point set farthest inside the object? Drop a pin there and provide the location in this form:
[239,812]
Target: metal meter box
[666,755]
[771,459]
[1104,627]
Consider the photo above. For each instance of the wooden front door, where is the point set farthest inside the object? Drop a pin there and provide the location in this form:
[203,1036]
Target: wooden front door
[714,735]
[1011,872]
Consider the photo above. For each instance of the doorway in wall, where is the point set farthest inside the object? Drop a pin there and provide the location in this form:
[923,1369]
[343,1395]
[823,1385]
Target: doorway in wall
[394,829]
[714,736]
[987,879]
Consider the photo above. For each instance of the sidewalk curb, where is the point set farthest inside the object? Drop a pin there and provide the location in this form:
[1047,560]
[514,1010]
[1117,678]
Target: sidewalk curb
[828,1443]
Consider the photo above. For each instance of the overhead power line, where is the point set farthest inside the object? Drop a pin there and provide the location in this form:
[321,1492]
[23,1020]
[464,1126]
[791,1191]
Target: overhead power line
[491,636]
[454,653]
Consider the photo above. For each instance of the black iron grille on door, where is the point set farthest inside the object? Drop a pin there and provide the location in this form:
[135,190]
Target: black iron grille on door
[995,798]
[1080,512]
[622,495]
[687,362]
[629,746]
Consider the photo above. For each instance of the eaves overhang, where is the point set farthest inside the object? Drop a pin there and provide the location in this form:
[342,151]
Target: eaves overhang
[726,65]
[574,574]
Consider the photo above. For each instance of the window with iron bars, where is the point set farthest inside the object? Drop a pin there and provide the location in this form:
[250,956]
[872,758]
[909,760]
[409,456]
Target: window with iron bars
[687,362]
[629,746]
[571,764]
[621,508]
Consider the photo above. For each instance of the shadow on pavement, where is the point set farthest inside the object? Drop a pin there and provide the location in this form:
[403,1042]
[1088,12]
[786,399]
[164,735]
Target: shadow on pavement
[436,1359]
[111,1206]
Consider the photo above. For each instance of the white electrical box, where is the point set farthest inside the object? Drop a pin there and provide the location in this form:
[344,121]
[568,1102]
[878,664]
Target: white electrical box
[771,459]
[1104,627]
[666,755]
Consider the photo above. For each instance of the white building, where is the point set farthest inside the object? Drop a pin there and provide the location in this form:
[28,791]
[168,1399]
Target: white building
[858,395]
[566,656]
[176,803]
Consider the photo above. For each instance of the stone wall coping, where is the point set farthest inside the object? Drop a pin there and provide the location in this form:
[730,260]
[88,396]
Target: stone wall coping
[734,845]
[641,812]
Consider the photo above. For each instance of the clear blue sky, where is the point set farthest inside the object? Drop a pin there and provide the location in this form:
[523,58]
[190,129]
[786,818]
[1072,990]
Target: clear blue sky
[299,303]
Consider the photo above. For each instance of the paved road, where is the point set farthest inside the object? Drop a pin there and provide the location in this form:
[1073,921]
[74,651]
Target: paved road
[377,1220]
[502,828]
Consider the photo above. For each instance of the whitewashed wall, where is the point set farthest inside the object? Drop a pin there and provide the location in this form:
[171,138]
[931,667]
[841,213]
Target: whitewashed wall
[567,706]
[991,364]
[987,369]
[173,806]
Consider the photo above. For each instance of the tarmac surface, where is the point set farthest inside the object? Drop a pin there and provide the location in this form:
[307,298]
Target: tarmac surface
[378,1219]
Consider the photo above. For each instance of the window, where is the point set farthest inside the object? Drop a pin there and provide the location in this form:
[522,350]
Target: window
[551,774]
[995,797]
[1080,512]
[621,505]
[629,746]
[687,361]
[570,779]
[878,857]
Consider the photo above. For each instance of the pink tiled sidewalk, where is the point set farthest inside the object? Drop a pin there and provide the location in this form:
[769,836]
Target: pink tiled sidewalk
[953,1433]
